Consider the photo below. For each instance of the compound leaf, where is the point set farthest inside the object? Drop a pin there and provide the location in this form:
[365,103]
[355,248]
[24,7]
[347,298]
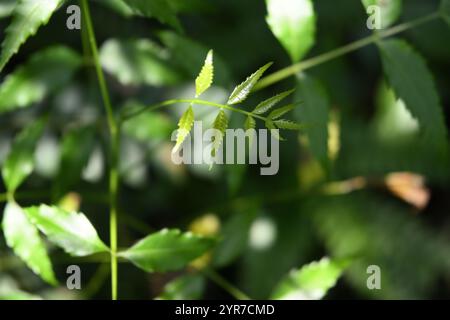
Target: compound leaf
[167,250]
[71,231]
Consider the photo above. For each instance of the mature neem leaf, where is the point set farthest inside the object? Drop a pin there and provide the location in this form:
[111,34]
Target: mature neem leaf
[23,237]
[139,62]
[314,112]
[390,10]
[311,282]
[241,92]
[76,148]
[294,24]
[412,82]
[274,131]
[187,287]
[71,231]
[28,16]
[20,161]
[205,78]
[167,250]
[275,114]
[287,124]
[159,9]
[220,124]
[44,73]
[266,105]
[184,127]
[445,10]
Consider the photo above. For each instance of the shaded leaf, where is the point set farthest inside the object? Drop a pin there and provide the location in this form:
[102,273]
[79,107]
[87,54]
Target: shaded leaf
[241,92]
[28,16]
[138,62]
[205,78]
[314,113]
[273,130]
[412,82]
[445,9]
[44,73]
[184,127]
[250,123]
[390,10]
[311,282]
[159,9]
[167,250]
[71,231]
[20,161]
[7,7]
[294,24]
[23,237]
[187,287]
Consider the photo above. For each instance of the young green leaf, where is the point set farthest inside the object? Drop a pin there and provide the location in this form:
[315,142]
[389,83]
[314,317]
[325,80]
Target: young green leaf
[167,250]
[28,16]
[187,287]
[241,92]
[275,114]
[250,123]
[311,282]
[390,10]
[205,78]
[314,111]
[160,9]
[23,237]
[294,24]
[266,105]
[44,73]
[20,161]
[287,124]
[184,127]
[412,82]
[220,124]
[139,62]
[71,231]
[274,131]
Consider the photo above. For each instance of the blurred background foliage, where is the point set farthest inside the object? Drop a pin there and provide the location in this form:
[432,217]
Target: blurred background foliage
[348,206]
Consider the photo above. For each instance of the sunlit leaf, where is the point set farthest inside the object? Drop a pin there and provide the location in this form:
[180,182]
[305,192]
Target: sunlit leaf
[187,287]
[7,7]
[28,16]
[167,250]
[266,105]
[277,113]
[23,237]
[411,80]
[159,9]
[314,113]
[71,231]
[390,10]
[250,123]
[184,127]
[205,78]
[20,161]
[220,124]
[294,24]
[311,282]
[241,92]
[138,62]
[44,73]
[287,124]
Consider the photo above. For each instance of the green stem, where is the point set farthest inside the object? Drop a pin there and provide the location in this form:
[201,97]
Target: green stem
[315,61]
[115,146]
[224,284]
[166,103]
